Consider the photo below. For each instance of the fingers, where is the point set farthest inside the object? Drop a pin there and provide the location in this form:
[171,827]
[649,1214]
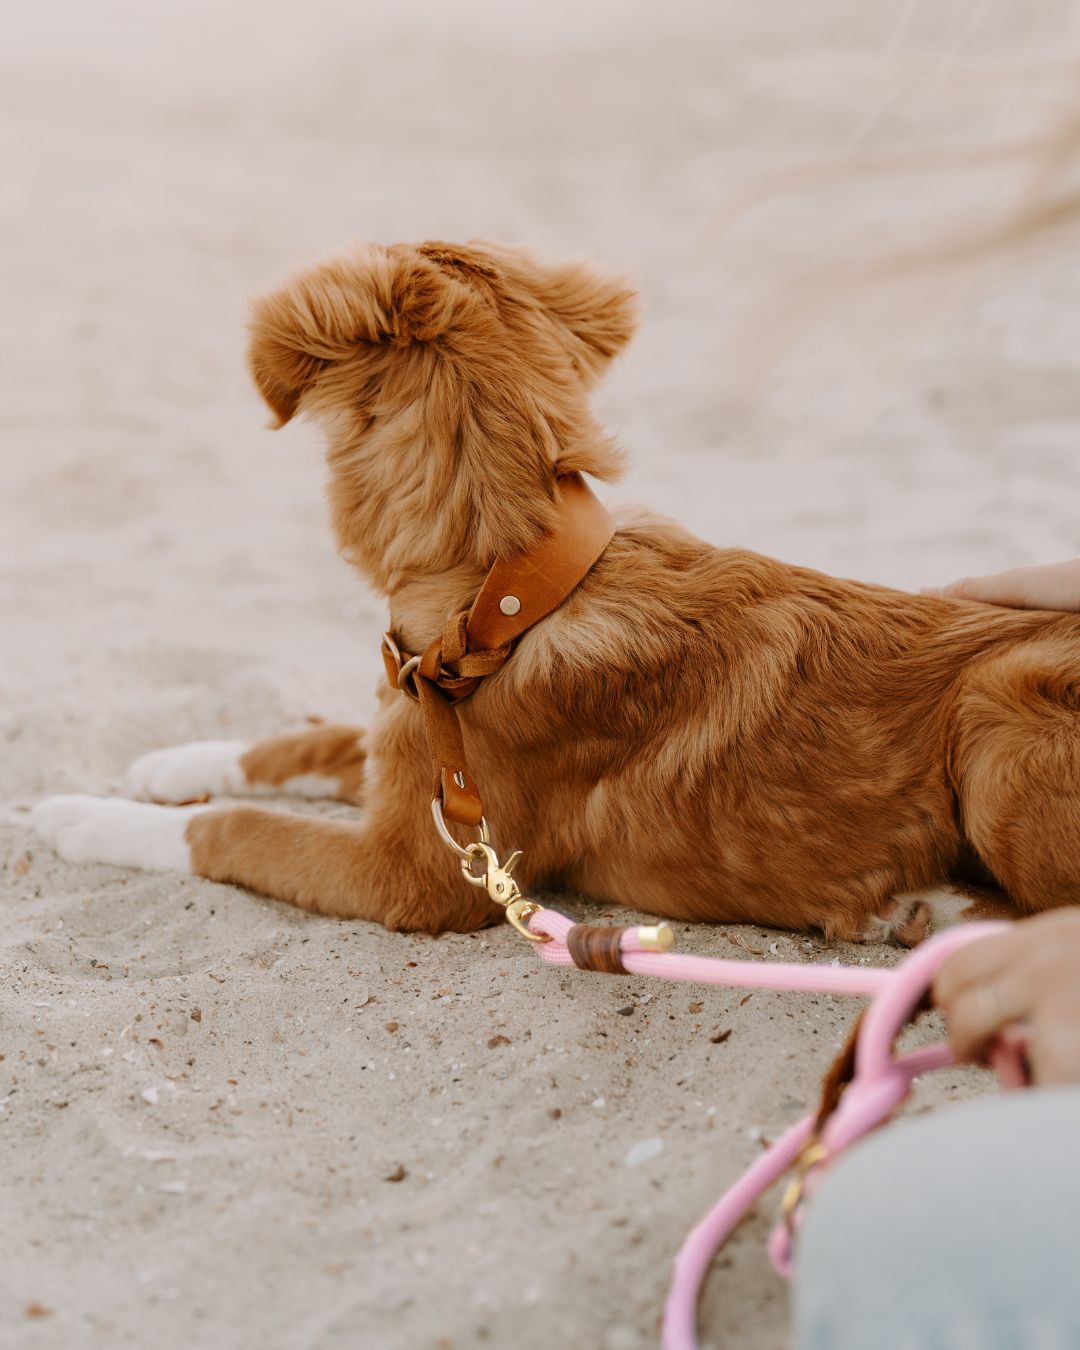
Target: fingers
[987,589]
[972,990]
[1053,586]
[1016,588]
[1008,1055]
[974,964]
[1028,974]
[980,1012]
[1054,1046]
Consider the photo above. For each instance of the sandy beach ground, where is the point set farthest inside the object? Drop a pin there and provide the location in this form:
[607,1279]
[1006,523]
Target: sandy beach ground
[205,1096]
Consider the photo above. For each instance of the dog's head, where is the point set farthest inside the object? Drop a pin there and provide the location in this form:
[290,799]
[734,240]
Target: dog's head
[452,382]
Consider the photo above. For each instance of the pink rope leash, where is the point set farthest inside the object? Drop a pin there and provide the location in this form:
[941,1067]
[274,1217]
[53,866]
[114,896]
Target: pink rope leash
[881,1080]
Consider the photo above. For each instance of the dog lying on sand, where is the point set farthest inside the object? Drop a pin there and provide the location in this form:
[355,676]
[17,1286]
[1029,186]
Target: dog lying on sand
[702,733]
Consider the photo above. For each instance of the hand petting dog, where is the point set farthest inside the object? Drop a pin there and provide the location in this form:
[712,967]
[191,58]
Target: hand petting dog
[1050,586]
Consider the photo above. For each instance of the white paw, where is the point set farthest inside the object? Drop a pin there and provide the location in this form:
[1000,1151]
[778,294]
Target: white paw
[186,773]
[84,829]
[914,915]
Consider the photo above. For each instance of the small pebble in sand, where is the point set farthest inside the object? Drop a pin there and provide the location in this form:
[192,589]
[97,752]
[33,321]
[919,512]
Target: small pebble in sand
[644,1151]
[196,1014]
[555,1113]
[398,1174]
[36,1310]
[628,1011]
[390,1026]
[150,1095]
[719,1037]
[696,1006]
[599,1103]
[496,1041]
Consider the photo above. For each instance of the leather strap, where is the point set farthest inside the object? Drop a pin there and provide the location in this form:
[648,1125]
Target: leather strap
[454,785]
[541,580]
[596,948]
[517,593]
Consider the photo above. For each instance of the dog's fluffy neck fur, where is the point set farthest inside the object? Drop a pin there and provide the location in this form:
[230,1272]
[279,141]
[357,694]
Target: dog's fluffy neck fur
[405,506]
[421,604]
[426,540]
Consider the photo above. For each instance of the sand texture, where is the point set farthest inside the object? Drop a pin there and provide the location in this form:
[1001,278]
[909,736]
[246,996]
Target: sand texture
[224,1123]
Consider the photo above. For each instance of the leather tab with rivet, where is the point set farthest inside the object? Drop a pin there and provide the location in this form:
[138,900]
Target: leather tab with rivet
[541,579]
[454,786]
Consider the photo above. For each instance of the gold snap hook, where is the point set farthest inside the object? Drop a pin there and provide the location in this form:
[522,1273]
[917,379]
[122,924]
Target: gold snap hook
[813,1152]
[519,912]
[448,839]
[495,877]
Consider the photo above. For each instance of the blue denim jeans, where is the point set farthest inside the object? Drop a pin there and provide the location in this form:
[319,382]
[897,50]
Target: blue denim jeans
[956,1230]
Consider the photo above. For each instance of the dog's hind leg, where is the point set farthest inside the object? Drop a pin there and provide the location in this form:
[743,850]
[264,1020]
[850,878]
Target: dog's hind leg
[1015,758]
[392,869]
[320,761]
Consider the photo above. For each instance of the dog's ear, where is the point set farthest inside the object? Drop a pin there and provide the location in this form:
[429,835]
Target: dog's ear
[282,371]
[361,304]
[599,311]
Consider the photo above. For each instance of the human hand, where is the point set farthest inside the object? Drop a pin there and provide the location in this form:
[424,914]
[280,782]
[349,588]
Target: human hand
[1051,586]
[1029,974]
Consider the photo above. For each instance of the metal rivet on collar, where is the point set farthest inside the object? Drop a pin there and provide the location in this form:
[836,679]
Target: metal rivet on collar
[509,604]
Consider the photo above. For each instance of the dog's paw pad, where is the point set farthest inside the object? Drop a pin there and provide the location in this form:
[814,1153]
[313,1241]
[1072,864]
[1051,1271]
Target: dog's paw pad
[186,773]
[914,927]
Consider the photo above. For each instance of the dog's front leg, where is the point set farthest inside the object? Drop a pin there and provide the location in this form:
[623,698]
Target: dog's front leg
[391,868]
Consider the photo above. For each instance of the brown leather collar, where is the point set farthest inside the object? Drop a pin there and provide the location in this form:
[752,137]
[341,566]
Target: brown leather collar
[517,593]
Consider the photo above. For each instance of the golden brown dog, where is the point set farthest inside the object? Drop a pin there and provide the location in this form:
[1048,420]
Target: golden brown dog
[699,732]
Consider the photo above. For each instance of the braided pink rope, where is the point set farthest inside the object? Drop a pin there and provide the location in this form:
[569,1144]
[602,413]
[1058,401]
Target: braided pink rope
[881,1081]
